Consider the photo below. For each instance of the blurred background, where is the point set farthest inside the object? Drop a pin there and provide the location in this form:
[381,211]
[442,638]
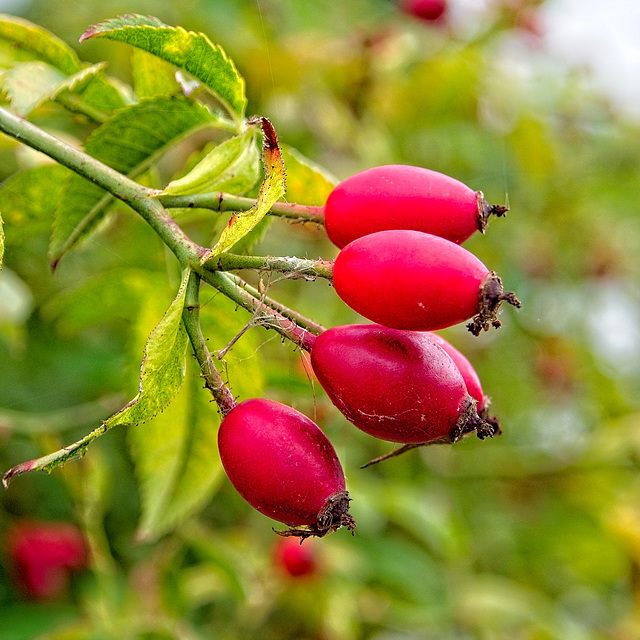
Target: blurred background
[534,535]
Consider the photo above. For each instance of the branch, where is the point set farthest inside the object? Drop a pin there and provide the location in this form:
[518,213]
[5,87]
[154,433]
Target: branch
[130,192]
[265,315]
[302,268]
[191,319]
[220,201]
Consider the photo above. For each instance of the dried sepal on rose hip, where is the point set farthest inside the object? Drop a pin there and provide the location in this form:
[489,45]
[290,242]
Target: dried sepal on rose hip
[405,197]
[284,466]
[417,281]
[396,385]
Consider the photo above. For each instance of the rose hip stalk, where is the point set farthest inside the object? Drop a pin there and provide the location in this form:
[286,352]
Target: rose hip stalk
[417,281]
[284,466]
[405,197]
[396,385]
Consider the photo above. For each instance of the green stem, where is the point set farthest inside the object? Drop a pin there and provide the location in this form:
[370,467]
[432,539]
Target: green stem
[220,201]
[191,319]
[263,314]
[291,314]
[130,192]
[301,268]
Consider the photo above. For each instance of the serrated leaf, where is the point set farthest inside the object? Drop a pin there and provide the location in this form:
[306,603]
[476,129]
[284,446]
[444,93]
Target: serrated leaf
[29,84]
[32,40]
[233,166]
[161,375]
[28,200]
[127,142]
[273,187]
[189,51]
[162,369]
[307,182]
[176,454]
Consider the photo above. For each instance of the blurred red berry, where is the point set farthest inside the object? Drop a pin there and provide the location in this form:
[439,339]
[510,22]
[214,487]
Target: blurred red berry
[429,10]
[42,554]
[295,559]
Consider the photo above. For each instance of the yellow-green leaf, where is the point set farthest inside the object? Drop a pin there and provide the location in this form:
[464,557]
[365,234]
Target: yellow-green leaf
[29,41]
[232,166]
[273,187]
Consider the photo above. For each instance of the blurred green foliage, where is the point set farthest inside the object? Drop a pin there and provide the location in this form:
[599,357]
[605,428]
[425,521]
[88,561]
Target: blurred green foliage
[531,536]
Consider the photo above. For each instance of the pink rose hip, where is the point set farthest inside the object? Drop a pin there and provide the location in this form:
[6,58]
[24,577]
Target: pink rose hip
[395,385]
[470,377]
[284,466]
[405,197]
[417,281]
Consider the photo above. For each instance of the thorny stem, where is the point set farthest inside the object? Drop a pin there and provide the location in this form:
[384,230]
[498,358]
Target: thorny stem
[220,201]
[292,314]
[191,320]
[263,314]
[301,268]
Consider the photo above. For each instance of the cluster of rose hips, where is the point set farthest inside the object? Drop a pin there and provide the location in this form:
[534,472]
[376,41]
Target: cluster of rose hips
[401,266]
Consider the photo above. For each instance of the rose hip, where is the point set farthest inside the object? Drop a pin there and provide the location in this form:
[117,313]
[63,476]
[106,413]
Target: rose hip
[42,554]
[396,385]
[470,377]
[429,10]
[405,197]
[284,466]
[417,281]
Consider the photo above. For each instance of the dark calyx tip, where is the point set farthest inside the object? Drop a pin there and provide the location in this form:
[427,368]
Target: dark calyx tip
[486,210]
[470,420]
[490,297]
[333,515]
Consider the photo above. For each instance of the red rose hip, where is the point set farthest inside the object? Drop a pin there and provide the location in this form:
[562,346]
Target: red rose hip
[42,554]
[395,385]
[284,466]
[429,10]
[417,281]
[405,197]
[470,377]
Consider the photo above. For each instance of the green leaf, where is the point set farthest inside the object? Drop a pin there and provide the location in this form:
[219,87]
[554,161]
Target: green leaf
[162,368]
[29,41]
[232,166]
[1,242]
[307,182]
[271,190]
[161,375]
[29,84]
[152,76]
[28,200]
[176,454]
[189,51]
[128,142]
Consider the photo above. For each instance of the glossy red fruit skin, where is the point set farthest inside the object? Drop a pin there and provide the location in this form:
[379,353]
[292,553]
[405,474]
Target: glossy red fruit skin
[403,197]
[279,461]
[472,380]
[395,385]
[469,374]
[42,554]
[417,281]
[429,10]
